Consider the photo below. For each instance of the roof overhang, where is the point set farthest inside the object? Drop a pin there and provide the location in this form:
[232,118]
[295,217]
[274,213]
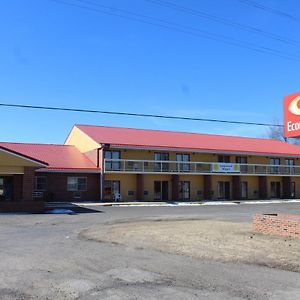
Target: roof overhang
[31,160]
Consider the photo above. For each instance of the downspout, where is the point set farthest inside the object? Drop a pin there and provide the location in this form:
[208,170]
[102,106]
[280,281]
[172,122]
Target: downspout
[102,148]
[100,179]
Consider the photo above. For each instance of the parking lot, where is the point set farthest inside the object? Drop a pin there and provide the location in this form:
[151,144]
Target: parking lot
[46,257]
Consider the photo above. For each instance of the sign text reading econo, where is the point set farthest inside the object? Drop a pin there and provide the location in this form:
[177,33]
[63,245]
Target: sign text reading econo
[291,108]
[293,126]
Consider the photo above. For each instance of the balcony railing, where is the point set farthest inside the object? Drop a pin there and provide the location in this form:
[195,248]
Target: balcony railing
[176,167]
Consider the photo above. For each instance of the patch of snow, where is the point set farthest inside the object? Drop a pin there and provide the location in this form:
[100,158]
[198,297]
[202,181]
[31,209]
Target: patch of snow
[219,203]
[61,211]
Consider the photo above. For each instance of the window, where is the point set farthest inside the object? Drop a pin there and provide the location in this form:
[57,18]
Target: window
[6,188]
[185,167]
[244,189]
[161,190]
[77,184]
[242,160]
[290,163]
[40,183]
[224,159]
[274,162]
[161,157]
[184,190]
[1,186]
[223,190]
[275,190]
[113,163]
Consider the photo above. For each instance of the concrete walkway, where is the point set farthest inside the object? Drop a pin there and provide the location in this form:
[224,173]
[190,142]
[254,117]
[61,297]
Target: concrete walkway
[168,204]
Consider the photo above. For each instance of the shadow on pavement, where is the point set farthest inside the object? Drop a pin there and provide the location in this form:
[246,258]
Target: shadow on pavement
[74,210]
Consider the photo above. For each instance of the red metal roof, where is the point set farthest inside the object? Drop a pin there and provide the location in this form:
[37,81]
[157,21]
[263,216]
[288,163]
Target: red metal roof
[56,156]
[187,141]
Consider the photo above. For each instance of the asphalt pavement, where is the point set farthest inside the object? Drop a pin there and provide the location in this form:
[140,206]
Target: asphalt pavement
[42,257]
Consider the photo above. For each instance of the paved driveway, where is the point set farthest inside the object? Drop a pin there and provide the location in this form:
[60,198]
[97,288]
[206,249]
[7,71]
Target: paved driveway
[43,258]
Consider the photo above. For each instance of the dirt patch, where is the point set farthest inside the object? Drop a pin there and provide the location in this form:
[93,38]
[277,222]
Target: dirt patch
[205,239]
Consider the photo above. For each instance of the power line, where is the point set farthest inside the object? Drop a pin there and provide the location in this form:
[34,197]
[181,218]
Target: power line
[270,10]
[221,20]
[130,114]
[179,28]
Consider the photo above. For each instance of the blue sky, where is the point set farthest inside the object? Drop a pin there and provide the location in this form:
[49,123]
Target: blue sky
[58,55]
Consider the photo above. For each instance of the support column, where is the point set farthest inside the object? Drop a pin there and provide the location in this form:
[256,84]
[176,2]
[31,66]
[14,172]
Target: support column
[17,187]
[287,187]
[236,187]
[139,187]
[262,187]
[102,190]
[207,187]
[28,183]
[175,187]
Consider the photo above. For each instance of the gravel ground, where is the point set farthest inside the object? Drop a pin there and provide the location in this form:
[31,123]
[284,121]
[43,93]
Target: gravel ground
[205,239]
[44,257]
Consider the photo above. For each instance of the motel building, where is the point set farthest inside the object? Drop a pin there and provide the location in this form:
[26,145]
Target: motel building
[98,163]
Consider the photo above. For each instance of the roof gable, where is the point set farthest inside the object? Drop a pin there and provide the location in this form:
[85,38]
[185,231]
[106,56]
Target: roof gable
[56,156]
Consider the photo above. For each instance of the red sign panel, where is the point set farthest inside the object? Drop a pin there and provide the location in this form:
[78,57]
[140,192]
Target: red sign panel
[291,108]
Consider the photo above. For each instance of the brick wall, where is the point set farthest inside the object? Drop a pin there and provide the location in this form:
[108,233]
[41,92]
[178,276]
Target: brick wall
[28,183]
[22,206]
[277,224]
[57,187]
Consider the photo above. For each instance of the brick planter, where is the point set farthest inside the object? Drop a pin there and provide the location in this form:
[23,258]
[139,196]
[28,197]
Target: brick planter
[277,224]
[22,206]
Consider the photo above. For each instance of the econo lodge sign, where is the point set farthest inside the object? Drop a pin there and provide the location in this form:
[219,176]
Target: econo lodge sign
[291,108]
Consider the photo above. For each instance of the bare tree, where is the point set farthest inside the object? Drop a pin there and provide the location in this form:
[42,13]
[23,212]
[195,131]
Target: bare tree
[276,132]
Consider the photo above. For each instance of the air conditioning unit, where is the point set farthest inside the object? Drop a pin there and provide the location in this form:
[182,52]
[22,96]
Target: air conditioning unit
[38,195]
[77,195]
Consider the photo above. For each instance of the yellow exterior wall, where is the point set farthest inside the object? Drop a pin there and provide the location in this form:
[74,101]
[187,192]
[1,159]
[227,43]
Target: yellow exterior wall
[127,183]
[149,155]
[149,185]
[14,164]
[196,181]
[11,160]
[81,141]
[253,186]
[11,170]
[195,157]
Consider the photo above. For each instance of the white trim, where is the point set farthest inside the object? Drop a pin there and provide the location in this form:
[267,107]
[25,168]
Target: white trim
[194,173]
[208,171]
[45,170]
[207,151]
[196,162]
[12,152]
[11,173]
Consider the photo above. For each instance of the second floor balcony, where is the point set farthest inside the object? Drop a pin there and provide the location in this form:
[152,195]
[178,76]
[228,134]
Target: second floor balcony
[200,168]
